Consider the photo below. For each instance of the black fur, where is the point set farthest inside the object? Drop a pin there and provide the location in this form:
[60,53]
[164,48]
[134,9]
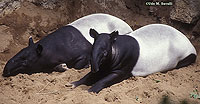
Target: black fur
[186,61]
[113,67]
[65,45]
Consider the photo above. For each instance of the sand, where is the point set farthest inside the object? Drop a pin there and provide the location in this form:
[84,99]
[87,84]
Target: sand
[43,88]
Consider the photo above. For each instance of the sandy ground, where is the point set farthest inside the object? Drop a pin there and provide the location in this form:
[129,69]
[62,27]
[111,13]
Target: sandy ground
[43,88]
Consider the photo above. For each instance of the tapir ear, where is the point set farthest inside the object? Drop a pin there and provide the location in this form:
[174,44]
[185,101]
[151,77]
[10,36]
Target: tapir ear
[113,36]
[39,49]
[93,33]
[30,41]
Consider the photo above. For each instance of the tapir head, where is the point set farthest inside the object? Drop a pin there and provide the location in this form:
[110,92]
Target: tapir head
[102,48]
[23,61]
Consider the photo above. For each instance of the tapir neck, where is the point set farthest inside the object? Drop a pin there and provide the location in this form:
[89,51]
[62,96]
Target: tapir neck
[50,57]
[113,56]
[125,51]
[115,53]
[66,45]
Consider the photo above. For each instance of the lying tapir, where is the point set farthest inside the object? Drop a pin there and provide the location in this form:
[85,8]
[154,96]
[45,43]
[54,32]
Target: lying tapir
[70,44]
[150,49]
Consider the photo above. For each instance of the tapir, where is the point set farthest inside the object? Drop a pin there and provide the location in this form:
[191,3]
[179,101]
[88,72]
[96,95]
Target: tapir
[149,49]
[70,45]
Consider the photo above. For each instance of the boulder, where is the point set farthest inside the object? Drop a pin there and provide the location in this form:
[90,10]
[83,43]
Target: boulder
[137,6]
[186,11]
[47,4]
[5,38]
[8,6]
[196,30]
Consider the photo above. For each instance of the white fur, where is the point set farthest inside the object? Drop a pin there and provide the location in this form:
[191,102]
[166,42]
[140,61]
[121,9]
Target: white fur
[102,23]
[161,48]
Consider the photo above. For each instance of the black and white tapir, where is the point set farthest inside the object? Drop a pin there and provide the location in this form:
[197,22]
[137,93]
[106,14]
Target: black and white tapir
[70,44]
[149,49]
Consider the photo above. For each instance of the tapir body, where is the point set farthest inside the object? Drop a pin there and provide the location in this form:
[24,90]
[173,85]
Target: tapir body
[70,44]
[165,50]
[149,49]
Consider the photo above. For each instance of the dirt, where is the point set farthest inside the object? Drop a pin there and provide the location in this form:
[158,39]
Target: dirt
[43,88]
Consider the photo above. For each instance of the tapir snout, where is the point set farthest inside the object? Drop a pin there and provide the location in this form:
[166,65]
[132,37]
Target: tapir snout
[10,69]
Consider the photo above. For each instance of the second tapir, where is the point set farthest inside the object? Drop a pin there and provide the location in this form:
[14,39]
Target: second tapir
[70,44]
[152,48]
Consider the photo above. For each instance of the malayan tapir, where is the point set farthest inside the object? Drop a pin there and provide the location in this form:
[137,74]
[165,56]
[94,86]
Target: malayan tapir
[149,49]
[70,44]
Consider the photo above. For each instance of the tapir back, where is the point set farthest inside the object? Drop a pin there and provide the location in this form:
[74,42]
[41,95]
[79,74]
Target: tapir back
[161,48]
[103,23]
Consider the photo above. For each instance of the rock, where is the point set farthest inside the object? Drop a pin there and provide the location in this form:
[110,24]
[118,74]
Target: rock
[5,38]
[196,30]
[8,6]
[186,11]
[162,10]
[47,4]
[137,6]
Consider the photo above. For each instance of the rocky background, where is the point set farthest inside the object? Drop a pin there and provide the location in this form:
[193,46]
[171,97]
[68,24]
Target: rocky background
[20,19]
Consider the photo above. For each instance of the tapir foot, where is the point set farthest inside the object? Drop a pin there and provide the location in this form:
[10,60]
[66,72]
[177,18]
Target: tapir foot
[88,80]
[96,88]
[61,68]
[107,81]
[71,85]
[74,84]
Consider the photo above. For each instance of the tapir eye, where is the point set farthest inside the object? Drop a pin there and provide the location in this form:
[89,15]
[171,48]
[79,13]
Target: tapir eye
[13,61]
[105,53]
[24,63]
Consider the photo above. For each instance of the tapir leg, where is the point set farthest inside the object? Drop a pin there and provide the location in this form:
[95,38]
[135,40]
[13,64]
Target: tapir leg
[89,79]
[82,62]
[61,68]
[108,81]
[186,61]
